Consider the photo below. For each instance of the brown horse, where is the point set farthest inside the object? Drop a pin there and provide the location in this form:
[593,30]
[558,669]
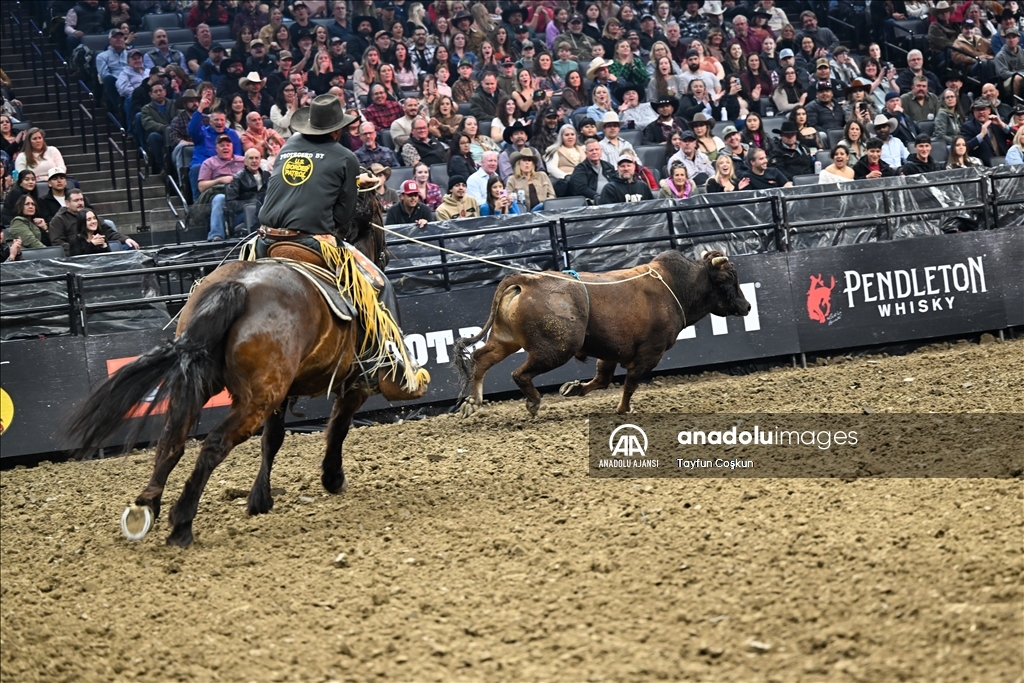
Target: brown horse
[263,331]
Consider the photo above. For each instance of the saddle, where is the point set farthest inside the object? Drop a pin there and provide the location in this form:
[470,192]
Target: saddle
[294,251]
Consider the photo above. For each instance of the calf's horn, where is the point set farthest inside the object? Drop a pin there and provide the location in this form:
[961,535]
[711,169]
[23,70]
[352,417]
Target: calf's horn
[719,261]
[704,253]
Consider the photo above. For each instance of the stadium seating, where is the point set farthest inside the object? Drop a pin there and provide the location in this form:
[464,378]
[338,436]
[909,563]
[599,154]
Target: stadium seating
[564,203]
[809,179]
[399,175]
[439,175]
[151,22]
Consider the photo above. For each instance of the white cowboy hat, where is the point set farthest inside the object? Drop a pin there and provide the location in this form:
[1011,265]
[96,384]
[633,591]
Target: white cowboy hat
[883,120]
[712,7]
[595,64]
[610,117]
[251,79]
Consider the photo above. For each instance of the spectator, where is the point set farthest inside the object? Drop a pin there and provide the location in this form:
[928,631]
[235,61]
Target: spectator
[789,156]
[735,148]
[941,35]
[725,176]
[401,128]
[736,101]
[702,127]
[372,153]
[109,65]
[959,158]
[64,222]
[1007,22]
[678,185]
[754,134]
[209,12]
[480,142]
[987,135]
[220,168]
[444,120]
[565,63]
[516,138]
[612,144]
[591,176]
[84,19]
[10,142]
[260,137]
[93,236]
[882,82]
[755,78]
[498,200]
[248,186]
[664,83]
[27,184]
[156,116]
[30,228]
[205,135]
[460,160]
[626,67]
[381,111]
[464,87]
[431,195]
[253,96]
[9,252]
[697,101]
[632,112]
[698,166]
[531,187]
[476,184]
[920,161]
[422,147]
[162,55]
[696,69]
[872,165]
[484,103]
[37,156]
[824,39]
[857,107]
[409,209]
[55,199]
[919,104]
[949,120]
[587,129]
[562,158]
[457,204]
[284,108]
[991,93]
[216,68]
[750,42]
[250,16]
[761,176]
[386,78]
[199,52]
[1015,155]
[179,136]
[823,113]
[130,78]
[973,54]
[236,113]
[1009,63]
[843,67]
[894,152]
[602,105]
[280,75]
[839,171]
[625,186]
[578,43]
[854,138]
[915,67]
[259,61]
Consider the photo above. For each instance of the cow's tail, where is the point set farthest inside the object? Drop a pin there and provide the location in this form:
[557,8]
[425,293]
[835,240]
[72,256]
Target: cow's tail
[462,358]
[184,372]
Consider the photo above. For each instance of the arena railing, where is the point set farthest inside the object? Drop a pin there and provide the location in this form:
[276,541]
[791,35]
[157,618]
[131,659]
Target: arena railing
[121,150]
[17,33]
[172,191]
[70,308]
[803,227]
[91,114]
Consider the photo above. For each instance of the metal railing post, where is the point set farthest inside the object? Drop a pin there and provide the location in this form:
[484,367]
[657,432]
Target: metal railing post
[444,267]
[95,131]
[58,81]
[142,167]
[781,243]
[887,208]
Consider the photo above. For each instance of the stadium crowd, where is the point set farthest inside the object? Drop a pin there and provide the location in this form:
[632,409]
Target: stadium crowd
[482,108]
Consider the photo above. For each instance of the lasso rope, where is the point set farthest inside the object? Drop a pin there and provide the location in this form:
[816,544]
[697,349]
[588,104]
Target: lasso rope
[650,272]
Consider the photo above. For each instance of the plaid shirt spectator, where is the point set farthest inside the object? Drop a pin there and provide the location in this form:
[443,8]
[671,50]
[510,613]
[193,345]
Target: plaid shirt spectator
[382,116]
[379,155]
[179,128]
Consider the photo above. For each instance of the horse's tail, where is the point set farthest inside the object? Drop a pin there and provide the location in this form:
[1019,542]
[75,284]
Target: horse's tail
[462,359]
[188,371]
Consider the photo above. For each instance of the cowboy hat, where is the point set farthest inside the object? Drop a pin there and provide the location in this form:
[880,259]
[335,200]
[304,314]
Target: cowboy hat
[595,64]
[663,100]
[324,115]
[609,117]
[525,153]
[941,6]
[246,82]
[381,170]
[712,7]
[788,128]
[189,95]
[858,83]
[622,88]
[883,120]
[701,117]
[516,127]
[510,10]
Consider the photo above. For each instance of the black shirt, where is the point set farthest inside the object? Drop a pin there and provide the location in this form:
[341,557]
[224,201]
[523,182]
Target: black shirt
[772,177]
[198,53]
[397,216]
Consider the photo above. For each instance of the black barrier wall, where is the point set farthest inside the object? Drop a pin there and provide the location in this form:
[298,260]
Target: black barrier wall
[815,300]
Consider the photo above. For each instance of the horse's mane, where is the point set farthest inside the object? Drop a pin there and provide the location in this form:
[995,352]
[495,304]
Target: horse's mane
[361,231]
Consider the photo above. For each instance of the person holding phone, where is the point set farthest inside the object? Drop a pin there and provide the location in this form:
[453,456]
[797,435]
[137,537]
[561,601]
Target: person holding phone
[498,200]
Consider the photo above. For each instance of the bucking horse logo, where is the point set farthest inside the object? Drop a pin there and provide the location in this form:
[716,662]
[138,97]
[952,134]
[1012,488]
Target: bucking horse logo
[819,298]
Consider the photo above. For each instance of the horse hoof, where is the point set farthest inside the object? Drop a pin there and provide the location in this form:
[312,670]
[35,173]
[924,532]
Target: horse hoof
[532,408]
[136,521]
[573,388]
[469,407]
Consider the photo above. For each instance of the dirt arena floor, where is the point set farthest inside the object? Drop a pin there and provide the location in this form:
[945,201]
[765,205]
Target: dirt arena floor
[479,550]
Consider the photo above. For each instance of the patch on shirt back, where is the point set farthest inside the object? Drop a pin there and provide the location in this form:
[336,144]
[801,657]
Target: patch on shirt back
[297,170]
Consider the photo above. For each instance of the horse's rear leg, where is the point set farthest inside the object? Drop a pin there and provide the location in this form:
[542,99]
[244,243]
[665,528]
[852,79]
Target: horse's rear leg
[485,358]
[537,363]
[345,407]
[260,500]
[602,378]
[241,423]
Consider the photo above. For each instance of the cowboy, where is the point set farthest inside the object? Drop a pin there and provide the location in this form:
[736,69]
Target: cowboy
[625,186]
[252,94]
[660,130]
[894,153]
[941,34]
[633,111]
[612,144]
[409,209]
[789,156]
[516,136]
[312,167]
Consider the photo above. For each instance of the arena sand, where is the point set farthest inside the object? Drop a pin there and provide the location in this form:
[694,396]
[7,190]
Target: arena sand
[479,550]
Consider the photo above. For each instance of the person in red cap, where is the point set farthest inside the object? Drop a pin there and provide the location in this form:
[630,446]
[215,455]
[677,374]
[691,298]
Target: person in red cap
[409,209]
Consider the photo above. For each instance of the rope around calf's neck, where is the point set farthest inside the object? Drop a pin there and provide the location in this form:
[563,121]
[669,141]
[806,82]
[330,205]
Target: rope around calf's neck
[650,272]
